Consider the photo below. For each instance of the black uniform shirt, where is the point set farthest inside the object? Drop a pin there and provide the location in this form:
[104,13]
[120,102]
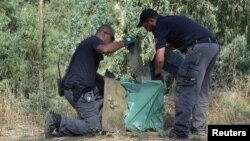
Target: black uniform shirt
[178,31]
[84,63]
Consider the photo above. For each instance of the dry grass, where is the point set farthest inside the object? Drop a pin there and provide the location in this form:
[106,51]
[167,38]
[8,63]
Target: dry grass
[230,105]
[10,113]
[227,106]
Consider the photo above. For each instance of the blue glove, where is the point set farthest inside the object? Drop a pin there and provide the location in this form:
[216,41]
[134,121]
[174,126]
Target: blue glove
[129,41]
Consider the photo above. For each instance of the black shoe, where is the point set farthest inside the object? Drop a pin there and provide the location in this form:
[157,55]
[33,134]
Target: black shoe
[198,132]
[175,135]
[197,135]
[51,123]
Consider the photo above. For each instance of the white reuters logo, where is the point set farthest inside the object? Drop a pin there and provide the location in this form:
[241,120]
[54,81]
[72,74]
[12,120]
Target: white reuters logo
[216,132]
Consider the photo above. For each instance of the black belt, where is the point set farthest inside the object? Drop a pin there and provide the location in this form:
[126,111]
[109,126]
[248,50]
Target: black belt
[204,40]
[76,86]
[78,90]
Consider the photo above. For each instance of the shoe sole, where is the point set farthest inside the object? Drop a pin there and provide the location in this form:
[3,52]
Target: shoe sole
[48,120]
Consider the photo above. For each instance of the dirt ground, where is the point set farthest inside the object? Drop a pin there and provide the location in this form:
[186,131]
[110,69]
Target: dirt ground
[35,133]
[31,132]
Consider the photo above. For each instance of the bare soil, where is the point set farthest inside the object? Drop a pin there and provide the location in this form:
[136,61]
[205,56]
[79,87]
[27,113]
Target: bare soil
[35,133]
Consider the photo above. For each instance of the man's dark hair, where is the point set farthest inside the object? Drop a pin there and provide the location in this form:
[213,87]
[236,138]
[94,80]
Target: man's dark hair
[146,14]
[105,27]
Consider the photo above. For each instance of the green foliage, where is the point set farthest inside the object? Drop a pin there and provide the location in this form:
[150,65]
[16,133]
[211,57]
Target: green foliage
[233,62]
[203,12]
[232,17]
[37,103]
[18,42]
[67,22]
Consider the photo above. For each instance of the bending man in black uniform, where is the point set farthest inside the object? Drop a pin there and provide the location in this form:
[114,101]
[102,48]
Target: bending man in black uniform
[79,82]
[193,77]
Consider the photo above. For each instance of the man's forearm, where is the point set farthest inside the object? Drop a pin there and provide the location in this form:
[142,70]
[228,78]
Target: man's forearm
[158,67]
[160,58]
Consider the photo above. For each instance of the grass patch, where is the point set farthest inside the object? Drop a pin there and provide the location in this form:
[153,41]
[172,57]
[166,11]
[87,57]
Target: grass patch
[229,107]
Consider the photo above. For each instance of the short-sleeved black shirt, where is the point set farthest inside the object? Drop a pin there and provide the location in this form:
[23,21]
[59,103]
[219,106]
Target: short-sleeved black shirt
[84,63]
[178,31]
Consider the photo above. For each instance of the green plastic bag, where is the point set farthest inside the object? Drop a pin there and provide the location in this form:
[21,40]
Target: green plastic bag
[146,105]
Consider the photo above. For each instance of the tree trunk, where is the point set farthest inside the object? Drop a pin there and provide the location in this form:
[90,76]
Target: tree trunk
[248,34]
[39,47]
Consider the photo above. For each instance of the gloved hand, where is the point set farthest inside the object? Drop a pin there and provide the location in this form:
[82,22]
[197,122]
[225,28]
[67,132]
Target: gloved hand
[157,77]
[129,41]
